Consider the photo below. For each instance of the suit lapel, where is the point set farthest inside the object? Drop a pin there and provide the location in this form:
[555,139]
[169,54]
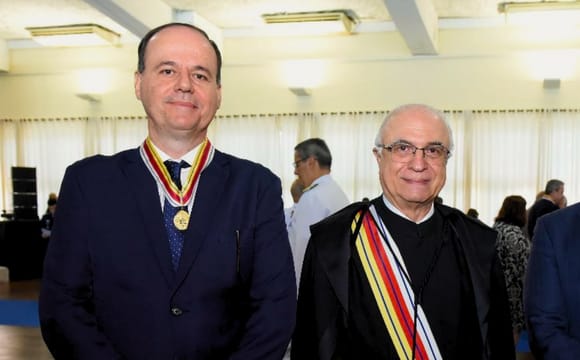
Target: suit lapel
[204,215]
[146,194]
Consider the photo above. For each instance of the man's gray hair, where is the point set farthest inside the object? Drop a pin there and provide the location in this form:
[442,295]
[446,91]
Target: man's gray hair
[395,112]
[316,148]
[553,186]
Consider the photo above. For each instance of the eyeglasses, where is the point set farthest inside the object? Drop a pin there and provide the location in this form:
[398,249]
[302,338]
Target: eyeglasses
[404,152]
[297,162]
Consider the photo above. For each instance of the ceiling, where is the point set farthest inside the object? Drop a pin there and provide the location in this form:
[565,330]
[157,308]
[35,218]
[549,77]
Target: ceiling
[417,21]
[131,18]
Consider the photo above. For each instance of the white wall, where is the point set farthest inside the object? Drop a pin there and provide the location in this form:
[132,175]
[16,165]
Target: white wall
[476,69]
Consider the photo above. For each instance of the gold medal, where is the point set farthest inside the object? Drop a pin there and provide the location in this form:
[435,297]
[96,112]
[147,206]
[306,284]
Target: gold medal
[181,220]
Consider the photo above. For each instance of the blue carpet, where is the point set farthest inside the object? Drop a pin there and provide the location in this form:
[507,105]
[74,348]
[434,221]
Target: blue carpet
[19,312]
[25,313]
[523,345]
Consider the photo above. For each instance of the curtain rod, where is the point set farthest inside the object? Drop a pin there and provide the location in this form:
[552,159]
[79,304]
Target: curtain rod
[479,111]
[526,111]
[540,110]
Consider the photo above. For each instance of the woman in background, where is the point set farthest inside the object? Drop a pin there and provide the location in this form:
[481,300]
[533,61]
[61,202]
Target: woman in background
[513,249]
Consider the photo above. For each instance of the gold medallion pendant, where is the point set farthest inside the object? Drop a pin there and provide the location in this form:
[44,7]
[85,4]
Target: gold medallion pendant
[181,219]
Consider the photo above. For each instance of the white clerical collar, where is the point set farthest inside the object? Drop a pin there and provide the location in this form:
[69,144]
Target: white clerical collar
[398,212]
[188,157]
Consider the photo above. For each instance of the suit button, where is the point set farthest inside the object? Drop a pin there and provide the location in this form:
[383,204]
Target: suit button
[176,311]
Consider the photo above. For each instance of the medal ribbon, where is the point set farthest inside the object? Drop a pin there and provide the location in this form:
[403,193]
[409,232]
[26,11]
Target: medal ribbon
[391,288]
[176,197]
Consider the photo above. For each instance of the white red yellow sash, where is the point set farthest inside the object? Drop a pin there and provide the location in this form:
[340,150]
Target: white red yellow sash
[175,196]
[389,281]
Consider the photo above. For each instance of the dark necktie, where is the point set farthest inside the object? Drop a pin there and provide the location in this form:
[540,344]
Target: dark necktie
[175,235]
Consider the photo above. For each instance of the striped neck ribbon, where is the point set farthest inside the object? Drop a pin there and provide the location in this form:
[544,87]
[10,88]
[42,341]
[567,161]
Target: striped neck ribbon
[177,197]
[388,278]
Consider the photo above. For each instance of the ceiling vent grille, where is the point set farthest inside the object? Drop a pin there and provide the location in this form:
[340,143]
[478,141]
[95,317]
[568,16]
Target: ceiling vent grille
[345,17]
[74,35]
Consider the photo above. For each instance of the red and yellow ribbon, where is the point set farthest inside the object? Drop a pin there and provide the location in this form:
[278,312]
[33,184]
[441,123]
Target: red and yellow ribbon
[155,165]
[386,274]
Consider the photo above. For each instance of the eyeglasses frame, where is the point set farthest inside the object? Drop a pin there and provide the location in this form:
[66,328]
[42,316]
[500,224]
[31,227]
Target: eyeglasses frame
[414,148]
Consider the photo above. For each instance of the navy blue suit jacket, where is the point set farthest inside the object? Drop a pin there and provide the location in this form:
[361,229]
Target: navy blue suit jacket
[552,288]
[109,290]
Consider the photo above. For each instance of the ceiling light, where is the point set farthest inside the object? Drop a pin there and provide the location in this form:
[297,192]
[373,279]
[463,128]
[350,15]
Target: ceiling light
[307,23]
[509,7]
[74,35]
[551,17]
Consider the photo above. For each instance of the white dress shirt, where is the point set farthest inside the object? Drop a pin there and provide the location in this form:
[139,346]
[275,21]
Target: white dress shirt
[321,199]
[189,158]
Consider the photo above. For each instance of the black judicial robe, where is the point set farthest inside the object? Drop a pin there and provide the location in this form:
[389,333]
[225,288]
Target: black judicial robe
[323,316]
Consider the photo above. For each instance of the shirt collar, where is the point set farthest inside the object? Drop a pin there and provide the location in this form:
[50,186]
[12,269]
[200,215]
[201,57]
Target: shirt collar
[188,157]
[320,180]
[398,212]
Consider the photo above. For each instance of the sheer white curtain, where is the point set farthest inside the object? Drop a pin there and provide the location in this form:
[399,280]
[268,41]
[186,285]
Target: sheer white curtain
[114,134]
[496,154]
[256,137]
[8,155]
[48,145]
[270,140]
[558,149]
[453,193]
[504,159]
[265,139]
[350,137]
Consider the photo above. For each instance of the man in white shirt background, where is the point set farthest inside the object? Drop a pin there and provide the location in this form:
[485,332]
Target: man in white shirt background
[321,196]
[296,190]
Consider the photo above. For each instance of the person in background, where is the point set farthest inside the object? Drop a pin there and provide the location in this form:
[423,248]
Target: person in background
[513,248]
[552,290]
[404,277]
[553,195]
[471,212]
[539,195]
[563,202]
[296,190]
[173,250]
[321,196]
[52,196]
[48,218]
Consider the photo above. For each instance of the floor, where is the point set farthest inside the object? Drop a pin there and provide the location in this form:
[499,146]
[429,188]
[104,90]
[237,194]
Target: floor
[25,343]
[20,342]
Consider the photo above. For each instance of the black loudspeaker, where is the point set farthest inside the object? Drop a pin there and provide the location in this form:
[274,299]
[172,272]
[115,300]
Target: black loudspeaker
[24,197]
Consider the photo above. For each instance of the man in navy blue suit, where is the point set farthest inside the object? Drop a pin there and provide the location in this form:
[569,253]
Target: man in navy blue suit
[552,288]
[151,259]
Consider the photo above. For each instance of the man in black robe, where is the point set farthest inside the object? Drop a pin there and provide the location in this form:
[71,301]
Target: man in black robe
[451,301]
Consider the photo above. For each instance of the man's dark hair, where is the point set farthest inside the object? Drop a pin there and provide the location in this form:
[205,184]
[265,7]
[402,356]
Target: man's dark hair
[513,211]
[553,185]
[145,41]
[473,213]
[316,148]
